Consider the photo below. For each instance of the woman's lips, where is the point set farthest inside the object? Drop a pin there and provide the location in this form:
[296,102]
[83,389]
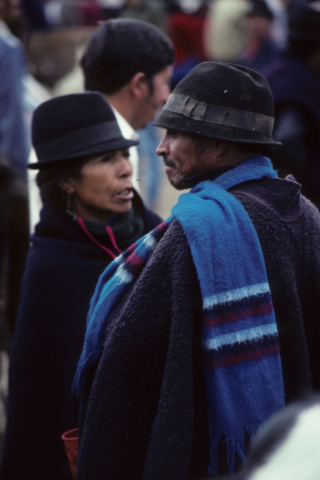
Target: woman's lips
[125,194]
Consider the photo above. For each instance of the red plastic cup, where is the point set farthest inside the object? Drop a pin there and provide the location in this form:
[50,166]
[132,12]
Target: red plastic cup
[70,439]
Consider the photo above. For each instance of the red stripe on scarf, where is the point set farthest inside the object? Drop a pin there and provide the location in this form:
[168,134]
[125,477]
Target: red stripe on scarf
[135,259]
[219,319]
[235,359]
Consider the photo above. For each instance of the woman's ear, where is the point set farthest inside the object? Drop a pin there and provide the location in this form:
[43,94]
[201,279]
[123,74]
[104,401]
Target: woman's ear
[68,186]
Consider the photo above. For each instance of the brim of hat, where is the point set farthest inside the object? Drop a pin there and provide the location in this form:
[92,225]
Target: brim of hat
[115,144]
[175,121]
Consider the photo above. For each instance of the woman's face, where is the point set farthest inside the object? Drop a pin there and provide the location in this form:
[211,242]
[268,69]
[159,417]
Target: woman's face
[103,188]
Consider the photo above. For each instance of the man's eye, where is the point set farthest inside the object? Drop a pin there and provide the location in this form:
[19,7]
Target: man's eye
[171,133]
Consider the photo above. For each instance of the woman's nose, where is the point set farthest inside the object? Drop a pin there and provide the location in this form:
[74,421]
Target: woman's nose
[126,168]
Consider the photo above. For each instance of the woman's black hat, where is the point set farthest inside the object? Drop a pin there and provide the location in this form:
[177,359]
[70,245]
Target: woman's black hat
[222,101]
[74,126]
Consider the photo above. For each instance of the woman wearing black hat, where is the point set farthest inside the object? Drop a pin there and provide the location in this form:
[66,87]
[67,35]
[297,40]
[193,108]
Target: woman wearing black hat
[90,214]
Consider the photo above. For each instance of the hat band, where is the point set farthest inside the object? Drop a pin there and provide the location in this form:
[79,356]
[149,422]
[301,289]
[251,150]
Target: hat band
[218,115]
[79,140]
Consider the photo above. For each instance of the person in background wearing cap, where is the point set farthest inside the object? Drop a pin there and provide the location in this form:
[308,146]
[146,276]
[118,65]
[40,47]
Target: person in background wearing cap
[211,322]
[261,49]
[295,83]
[90,214]
[130,63]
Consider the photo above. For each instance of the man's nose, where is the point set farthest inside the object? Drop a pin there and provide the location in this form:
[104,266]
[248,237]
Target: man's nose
[163,147]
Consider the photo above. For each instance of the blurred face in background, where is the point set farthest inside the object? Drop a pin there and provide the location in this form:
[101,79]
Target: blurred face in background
[257,28]
[9,10]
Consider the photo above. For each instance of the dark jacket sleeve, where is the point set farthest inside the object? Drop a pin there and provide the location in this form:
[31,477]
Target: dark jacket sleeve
[47,343]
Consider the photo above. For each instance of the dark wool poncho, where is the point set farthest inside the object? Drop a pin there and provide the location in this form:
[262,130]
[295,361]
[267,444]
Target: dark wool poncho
[143,412]
[62,270]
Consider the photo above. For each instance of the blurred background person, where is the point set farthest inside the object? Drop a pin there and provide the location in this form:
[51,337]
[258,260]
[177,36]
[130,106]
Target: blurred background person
[134,80]
[13,135]
[279,27]
[295,83]
[151,11]
[14,244]
[111,8]
[225,35]
[91,12]
[186,30]
[34,14]
[14,228]
[261,48]
[90,214]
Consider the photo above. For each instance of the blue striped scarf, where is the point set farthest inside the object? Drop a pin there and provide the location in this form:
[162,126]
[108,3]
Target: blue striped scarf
[241,354]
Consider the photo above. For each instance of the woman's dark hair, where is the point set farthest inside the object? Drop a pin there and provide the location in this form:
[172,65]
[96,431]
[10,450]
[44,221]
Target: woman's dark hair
[50,180]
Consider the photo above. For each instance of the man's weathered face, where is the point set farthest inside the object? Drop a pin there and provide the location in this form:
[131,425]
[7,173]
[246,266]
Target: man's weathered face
[181,157]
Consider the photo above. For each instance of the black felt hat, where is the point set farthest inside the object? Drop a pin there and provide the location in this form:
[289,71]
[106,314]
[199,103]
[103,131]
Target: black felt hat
[222,101]
[71,127]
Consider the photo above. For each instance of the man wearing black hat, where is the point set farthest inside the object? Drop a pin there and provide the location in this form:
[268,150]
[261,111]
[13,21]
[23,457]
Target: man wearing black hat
[130,63]
[295,83]
[210,323]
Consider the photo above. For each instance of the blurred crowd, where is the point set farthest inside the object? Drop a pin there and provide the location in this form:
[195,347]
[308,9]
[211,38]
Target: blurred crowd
[41,44]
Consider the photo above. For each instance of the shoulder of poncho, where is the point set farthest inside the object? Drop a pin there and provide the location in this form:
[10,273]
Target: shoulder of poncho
[172,248]
[174,238]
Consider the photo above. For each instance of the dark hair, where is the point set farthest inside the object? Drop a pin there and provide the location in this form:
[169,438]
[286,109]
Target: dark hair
[49,182]
[202,144]
[120,49]
[303,48]
[304,29]
[259,8]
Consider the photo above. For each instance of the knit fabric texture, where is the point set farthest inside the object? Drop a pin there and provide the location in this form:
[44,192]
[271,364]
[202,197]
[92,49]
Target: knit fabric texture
[240,338]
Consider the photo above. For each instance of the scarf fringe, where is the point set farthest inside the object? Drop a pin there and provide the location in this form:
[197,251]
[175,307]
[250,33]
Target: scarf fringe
[235,446]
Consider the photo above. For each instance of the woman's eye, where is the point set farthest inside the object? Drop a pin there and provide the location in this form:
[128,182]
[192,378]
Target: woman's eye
[107,158]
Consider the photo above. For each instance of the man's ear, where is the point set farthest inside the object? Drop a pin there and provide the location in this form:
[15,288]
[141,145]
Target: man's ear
[220,146]
[68,186]
[139,86]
